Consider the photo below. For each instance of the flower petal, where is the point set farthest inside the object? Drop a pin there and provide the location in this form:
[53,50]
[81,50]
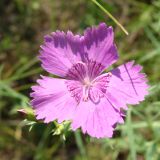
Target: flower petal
[127,85]
[96,48]
[99,45]
[51,100]
[59,52]
[97,120]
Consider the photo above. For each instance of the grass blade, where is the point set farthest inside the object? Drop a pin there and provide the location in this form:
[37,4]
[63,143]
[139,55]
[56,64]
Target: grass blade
[110,15]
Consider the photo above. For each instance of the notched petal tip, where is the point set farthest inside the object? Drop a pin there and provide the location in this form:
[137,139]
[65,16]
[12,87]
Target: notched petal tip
[48,38]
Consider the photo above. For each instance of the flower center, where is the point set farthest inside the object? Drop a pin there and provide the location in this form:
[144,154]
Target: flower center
[87,81]
[84,83]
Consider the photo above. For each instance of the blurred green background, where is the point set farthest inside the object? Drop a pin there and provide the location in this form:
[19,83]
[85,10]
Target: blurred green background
[23,23]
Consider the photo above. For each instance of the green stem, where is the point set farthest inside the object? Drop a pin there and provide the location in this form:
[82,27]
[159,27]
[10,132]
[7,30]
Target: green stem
[80,144]
[130,134]
[110,15]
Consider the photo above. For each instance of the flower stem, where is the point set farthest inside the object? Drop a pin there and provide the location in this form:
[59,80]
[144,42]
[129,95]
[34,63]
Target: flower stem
[110,15]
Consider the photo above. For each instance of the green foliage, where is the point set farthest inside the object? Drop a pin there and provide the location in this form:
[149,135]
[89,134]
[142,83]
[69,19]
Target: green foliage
[23,25]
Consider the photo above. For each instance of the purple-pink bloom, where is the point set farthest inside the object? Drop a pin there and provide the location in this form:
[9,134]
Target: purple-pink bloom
[92,100]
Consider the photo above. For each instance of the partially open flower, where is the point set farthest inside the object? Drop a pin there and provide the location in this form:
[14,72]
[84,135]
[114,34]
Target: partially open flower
[90,99]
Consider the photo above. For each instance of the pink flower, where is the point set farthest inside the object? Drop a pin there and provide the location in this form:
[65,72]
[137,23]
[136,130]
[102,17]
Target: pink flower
[90,99]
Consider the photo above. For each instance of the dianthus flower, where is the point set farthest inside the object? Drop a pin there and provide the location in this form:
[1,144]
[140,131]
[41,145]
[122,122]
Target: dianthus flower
[92,100]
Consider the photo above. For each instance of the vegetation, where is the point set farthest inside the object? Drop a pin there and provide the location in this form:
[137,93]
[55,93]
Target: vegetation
[23,25]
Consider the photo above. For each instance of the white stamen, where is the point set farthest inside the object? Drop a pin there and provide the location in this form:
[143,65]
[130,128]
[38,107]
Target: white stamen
[85,93]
